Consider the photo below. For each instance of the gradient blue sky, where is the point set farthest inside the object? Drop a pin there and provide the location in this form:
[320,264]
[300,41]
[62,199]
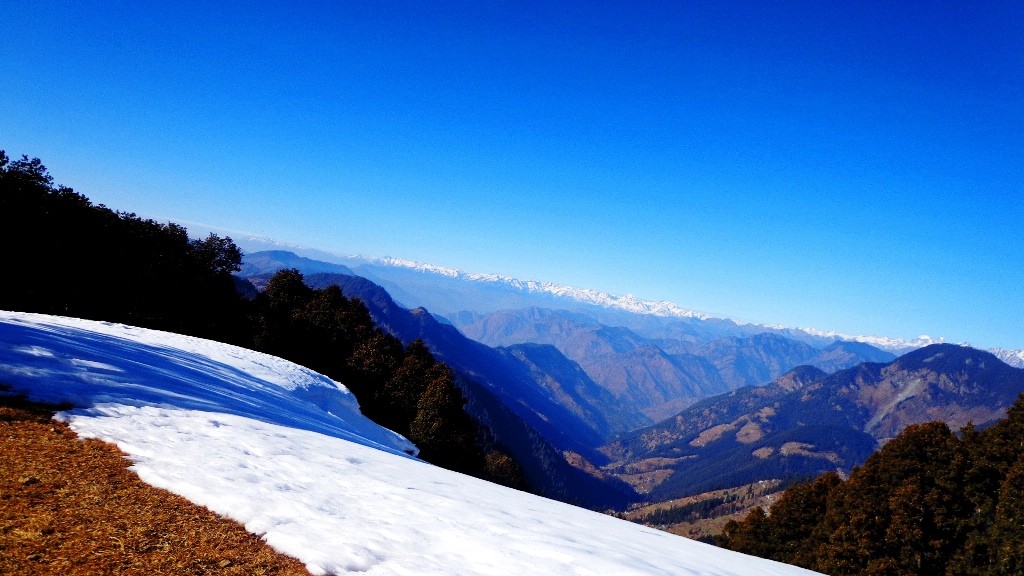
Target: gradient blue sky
[846,166]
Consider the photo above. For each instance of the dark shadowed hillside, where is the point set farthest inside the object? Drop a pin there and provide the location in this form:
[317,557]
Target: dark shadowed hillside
[571,387]
[553,444]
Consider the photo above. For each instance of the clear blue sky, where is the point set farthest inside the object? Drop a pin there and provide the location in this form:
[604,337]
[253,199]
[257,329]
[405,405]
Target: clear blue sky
[846,166]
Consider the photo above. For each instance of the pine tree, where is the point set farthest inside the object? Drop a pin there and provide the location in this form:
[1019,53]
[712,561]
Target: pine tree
[441,428]
[892,497]
[372,362]
[794,517]
[751,536]
[1007,541]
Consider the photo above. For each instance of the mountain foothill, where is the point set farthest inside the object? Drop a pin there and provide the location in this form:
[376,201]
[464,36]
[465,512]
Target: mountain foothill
[580,401]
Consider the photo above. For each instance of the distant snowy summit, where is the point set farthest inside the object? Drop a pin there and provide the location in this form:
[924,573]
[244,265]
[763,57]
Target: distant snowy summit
[1012,357]
[591,297]
[664,309]
[627,303]
[897,345]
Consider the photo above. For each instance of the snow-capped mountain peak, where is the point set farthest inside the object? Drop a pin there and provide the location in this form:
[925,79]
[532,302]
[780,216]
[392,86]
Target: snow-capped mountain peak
[665,309]
[419,266]
[897,345]
[1014,358]
[628,302]
[623,303]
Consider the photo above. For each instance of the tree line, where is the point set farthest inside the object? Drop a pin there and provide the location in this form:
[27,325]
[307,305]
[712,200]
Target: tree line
[67,256]
[64,255]
[929,502]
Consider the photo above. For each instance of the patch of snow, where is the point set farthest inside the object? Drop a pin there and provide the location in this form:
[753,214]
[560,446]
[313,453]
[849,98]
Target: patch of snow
[341,507]
[234,430]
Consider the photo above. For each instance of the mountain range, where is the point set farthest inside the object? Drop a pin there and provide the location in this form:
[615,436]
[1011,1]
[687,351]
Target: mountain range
[446,291]
[808,422]
[529,416]
[605,405]
[657,377]
[651,366]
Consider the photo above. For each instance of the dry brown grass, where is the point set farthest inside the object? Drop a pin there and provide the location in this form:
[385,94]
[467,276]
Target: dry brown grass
[71,506]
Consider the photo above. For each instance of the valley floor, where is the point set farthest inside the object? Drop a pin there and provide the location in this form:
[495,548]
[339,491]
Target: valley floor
[71,506]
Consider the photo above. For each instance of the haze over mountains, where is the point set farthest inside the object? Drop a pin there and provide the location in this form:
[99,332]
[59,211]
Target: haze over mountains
[653,365]
[606,401]
[447,291]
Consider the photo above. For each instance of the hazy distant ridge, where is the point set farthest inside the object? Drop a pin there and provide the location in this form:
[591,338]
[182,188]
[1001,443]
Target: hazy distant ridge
[627,302]
[630,303]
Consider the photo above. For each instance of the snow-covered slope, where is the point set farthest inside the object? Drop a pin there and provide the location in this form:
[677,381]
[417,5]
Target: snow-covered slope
[99,364]
[284,451]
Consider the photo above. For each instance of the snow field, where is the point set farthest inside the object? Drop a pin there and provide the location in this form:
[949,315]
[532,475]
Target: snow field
[284,451]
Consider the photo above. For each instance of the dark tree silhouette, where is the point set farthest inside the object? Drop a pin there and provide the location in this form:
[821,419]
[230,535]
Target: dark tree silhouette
[77,259]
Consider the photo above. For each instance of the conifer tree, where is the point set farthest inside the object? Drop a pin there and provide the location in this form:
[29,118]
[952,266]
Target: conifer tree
[795,516]
[751,536]
[1007,541]
[441,428]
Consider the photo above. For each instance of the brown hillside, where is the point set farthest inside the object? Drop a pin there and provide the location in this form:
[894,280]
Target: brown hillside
[70,506]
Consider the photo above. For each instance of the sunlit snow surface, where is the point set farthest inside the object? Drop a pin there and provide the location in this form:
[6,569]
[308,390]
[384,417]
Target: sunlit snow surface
[284,451]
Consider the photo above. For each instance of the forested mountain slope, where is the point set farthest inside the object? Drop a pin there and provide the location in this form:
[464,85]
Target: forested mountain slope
[929,502]
[809,422]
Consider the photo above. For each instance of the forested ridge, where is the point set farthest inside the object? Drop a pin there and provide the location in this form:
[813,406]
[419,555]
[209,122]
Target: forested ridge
[929,502]
[67,256]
